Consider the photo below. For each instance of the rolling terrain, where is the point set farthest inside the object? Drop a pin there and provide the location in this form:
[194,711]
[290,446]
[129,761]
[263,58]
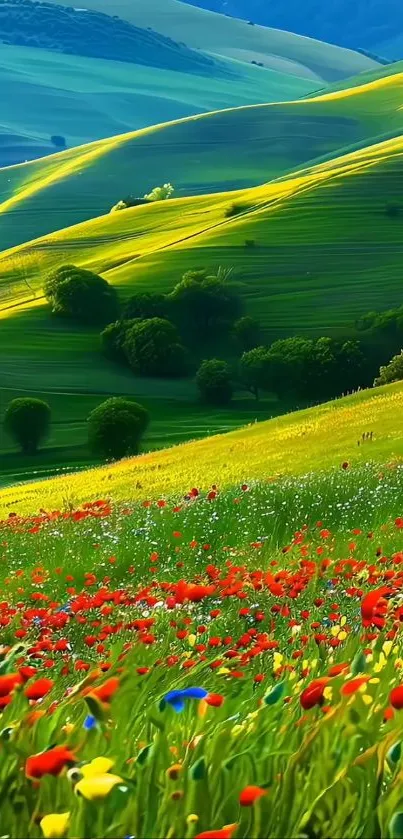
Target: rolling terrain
[223,36]
[316,439]
[222,150]
[85,99]
[375,26]
[312,251]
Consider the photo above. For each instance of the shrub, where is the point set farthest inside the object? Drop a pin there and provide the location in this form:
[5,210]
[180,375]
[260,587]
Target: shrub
[235,209]
[113,338]
[213,380]
[81,295]
[58,141]
[146,305]
[130,201]
[152,348]
[392,372]
[160,193]
[247,332]
[116,427]
[27,420]
[205,301]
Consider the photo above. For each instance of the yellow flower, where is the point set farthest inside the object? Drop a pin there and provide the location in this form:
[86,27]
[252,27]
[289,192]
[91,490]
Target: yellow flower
[367,699]
[386,647]
[98,766]
[342,635]
[191,640]
[96,787]
[54,826]
[192,818]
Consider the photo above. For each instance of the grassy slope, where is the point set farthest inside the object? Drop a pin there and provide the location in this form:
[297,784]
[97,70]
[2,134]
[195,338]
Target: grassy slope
[220,150]
[325,252]
[221,35]
[324,249]
[318,438]
[86,98]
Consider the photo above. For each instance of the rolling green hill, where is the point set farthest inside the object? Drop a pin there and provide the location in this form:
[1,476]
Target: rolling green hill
[85,99]
[218,151]
[319,236]
[312,251]
[319,438]
[224,36]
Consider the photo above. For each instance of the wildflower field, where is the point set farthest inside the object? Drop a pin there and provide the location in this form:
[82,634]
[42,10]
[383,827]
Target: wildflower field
[225,663]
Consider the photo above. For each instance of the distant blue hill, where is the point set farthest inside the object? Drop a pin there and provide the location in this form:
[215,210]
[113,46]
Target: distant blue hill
[369,25]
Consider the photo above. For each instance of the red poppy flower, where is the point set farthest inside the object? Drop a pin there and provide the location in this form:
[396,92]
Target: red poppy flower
[9,682]
[353,685]
[51,762]
[396,697]
[214,699]
[313,694]
[250,794]
[39,688]
[224,833]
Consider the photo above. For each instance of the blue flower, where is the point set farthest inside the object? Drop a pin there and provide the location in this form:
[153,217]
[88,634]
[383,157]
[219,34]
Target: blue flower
[89,723]
[176,698]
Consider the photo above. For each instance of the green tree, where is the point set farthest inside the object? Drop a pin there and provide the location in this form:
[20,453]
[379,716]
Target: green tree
[145,305]
[392,372]
[254,370]
[160,193]
[81,295]
[113,338]
[27,420]
[353,368]
[247,332]
[206,301]
[116,427]
[152,348]
[213,380]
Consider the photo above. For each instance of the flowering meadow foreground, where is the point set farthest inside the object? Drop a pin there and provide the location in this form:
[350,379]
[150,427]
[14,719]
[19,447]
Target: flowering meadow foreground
[227,664]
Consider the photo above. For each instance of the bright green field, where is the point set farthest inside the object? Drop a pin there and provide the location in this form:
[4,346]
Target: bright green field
[324,253]
[85,99]
[314,439]
[222,150]
[221,35]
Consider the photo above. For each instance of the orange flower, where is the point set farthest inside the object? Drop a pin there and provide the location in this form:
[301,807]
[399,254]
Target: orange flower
[50,762]
[251,794]
[106,691]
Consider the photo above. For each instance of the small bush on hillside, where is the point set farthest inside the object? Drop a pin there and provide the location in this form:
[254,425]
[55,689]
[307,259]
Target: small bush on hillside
[58,141]
[116,427]
[81,295]
[213,380]
[27,420]
[392,372]
[152,348]
[235,209]
[130,201]
[160,193]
